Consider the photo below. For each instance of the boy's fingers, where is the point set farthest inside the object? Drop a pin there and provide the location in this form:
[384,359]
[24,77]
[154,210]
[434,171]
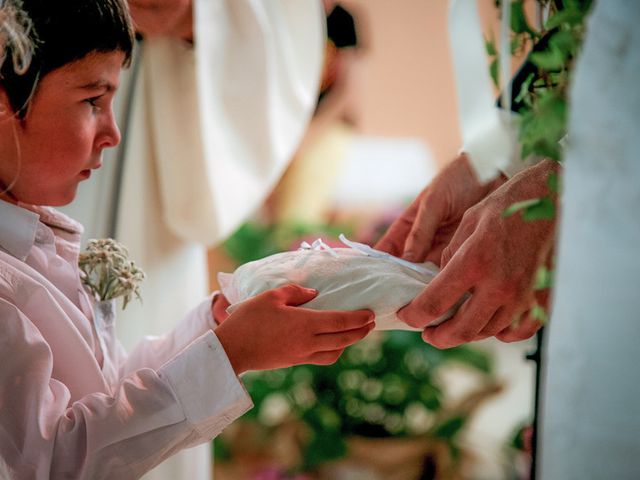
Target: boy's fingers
[219,308]
[325,358]
[294,295]
[339,321]
[332,341]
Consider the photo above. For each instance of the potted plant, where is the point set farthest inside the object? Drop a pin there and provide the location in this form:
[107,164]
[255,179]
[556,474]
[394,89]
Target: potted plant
[381,411]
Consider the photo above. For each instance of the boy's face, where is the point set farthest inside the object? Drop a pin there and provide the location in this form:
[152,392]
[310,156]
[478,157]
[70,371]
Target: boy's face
[68,124]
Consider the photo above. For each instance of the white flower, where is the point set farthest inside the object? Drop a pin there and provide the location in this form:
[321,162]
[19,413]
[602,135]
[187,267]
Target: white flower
[108,273]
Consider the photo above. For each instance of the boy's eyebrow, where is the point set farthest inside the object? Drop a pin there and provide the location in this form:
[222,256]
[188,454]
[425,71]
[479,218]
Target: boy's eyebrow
[98,85]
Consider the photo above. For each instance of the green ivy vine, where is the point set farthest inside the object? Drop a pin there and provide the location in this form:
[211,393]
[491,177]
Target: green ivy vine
[540,93]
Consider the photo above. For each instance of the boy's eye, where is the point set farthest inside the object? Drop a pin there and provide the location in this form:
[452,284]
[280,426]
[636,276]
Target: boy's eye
[93,101]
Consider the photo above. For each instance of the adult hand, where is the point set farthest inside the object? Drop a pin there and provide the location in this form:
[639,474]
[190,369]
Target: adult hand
[163,17]
[528,323]
[495,259]
[426,227]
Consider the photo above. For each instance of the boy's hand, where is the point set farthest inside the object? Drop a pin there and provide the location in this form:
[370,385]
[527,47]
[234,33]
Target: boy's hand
[270,331]
[219,308]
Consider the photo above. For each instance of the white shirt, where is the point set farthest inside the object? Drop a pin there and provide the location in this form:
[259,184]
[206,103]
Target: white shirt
[71,406]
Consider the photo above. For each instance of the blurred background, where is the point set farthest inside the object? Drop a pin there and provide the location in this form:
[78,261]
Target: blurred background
[393,407]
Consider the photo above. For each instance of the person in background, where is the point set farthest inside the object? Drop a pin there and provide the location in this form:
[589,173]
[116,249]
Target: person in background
[303,195]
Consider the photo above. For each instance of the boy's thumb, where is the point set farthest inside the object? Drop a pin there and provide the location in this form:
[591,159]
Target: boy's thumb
[295,295]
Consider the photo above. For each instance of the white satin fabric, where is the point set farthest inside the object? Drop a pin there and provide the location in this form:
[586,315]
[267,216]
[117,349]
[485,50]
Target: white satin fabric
[487,134]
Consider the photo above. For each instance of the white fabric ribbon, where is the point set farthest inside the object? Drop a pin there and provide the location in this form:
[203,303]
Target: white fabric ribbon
[372,252]
[487,135]
[318,245]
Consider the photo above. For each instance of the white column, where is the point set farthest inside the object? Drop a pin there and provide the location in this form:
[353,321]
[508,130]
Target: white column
[591,406]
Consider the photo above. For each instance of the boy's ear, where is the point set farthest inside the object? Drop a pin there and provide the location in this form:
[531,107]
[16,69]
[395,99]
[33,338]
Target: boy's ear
[6,109]
[5,105]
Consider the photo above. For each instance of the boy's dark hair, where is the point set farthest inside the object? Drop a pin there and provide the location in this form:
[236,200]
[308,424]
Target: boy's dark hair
[65,31]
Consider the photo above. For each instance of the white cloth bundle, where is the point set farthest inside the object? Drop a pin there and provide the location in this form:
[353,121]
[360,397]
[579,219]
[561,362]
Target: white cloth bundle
[346,279]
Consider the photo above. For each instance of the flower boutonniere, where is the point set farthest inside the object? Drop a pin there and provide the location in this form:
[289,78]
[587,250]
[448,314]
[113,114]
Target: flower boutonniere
[107,272]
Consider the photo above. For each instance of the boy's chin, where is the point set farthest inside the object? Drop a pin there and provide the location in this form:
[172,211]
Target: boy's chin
[59,199]
[64,199]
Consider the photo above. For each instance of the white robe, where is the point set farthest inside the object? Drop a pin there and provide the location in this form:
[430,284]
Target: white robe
[212,129]
[591,411]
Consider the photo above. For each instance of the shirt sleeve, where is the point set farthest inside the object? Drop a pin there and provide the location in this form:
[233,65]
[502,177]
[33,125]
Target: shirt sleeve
[149,415]
[154,351]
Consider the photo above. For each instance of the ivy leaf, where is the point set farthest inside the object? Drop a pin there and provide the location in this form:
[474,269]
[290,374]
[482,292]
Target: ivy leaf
[564,42]
[516,44]
[542,127]
[552,59]
[519,22]
[517,206]
[544,210]
[523,95]
[490,46]
[494,69]
[568,16]
[539,313]
[544,278]
[532,209]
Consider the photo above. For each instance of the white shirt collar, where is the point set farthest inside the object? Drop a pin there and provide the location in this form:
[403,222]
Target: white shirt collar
[18,228]
[21,226]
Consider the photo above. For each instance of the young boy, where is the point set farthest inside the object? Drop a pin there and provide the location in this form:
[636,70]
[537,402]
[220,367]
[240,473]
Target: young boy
[69,406]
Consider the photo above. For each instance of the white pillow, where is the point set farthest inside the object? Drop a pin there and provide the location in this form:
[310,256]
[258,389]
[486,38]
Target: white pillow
[346,279]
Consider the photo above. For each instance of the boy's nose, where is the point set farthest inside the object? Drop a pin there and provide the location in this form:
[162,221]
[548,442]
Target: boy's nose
[110,134]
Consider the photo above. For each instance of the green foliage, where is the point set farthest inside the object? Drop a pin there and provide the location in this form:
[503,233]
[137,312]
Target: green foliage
[519,23]
[533,209]
[553,182]
[384,386]
[542,97]
[543,126]
[539,313]
[253,241]
[544,279]
[450,428]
